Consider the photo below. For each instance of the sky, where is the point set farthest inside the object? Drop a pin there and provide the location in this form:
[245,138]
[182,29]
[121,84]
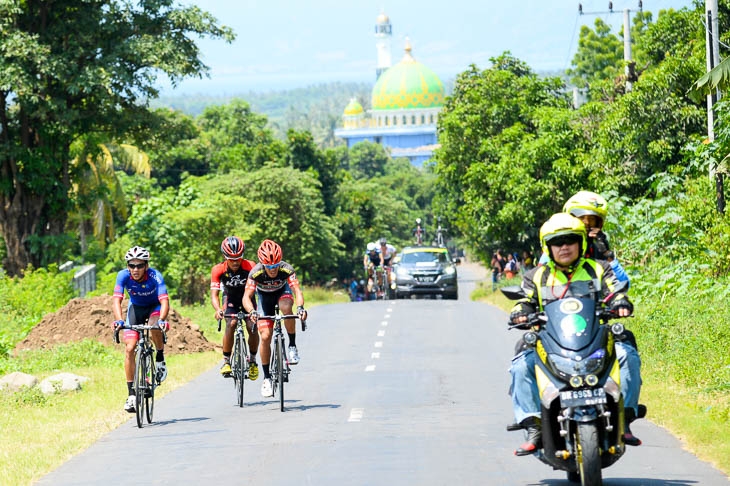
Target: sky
[284,44]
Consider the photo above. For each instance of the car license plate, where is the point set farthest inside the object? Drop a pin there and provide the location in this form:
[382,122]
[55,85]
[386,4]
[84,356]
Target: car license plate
[424,278]
[577,398]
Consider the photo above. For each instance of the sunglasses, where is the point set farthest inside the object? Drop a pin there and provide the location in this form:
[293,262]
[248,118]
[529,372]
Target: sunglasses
[138,265]
[272,267]
[564,240]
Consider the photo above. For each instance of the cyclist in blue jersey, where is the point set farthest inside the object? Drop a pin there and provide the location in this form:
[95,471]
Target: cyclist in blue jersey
[148,300]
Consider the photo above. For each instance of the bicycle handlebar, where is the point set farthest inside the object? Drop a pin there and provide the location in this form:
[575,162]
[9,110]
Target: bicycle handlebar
[138,327]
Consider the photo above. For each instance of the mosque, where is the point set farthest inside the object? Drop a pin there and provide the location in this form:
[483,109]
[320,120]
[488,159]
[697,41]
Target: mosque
[405,104]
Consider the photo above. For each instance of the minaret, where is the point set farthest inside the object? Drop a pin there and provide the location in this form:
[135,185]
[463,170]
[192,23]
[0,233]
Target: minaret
[383,33]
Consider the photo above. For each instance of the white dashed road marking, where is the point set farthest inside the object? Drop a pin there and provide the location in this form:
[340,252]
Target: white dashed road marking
[375,355]
[378,344]
[370,368]
[381,333]
[356,415]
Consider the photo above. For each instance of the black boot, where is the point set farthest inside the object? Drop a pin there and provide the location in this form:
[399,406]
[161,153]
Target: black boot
[629,437]
[534,437]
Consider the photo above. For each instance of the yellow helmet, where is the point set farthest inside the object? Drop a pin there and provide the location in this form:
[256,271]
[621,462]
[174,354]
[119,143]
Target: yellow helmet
[561,224]
[585,203]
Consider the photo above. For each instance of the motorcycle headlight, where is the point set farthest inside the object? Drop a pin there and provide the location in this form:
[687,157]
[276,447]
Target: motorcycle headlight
[569,367]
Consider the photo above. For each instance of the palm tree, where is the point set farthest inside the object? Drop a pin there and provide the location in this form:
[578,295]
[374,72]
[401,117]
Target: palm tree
[97,191]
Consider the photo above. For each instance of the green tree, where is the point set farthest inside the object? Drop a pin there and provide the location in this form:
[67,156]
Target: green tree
[367,159]
[68,68]
[598,58]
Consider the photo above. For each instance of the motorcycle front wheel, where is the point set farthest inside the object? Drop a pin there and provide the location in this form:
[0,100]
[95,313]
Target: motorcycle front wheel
[588,457]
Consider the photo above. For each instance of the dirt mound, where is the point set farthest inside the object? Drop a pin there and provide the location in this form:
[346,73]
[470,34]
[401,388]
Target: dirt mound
[91,318]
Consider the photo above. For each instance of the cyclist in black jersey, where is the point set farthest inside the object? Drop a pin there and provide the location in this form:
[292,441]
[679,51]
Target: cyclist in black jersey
[274,282]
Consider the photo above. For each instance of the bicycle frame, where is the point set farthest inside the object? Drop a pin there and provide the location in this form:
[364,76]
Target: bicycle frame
[145,371]
[279,363]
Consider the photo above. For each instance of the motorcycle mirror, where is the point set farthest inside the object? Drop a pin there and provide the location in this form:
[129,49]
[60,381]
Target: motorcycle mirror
[513,292]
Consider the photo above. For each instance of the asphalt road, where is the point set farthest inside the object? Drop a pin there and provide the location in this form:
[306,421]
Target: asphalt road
[387,393]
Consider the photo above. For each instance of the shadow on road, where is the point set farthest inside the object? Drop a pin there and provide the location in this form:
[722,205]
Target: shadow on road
[621,482]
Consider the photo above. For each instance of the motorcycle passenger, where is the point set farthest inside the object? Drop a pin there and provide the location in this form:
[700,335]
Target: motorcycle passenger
[566,274]
[592,209]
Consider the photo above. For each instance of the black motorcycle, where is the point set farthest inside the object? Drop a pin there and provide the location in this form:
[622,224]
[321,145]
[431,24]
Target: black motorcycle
[582,409]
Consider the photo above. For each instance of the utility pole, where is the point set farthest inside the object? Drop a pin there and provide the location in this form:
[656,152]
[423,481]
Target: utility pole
[712,48]
[629,69]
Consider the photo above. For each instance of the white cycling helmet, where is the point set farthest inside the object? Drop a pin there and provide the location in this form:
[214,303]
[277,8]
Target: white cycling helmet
[137,253]
[371,247]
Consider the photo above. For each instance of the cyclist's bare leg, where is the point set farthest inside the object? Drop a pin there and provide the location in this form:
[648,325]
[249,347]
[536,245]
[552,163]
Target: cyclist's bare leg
[130,343]
[253,338]
[228,335]
[265,343]
[156,334]
[286,308]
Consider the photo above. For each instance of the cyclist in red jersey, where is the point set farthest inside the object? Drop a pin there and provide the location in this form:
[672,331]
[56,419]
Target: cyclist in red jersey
[230,276]
[273,281]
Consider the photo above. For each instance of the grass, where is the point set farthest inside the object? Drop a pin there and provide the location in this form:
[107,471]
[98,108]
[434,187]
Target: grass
[41,432]
[696,415]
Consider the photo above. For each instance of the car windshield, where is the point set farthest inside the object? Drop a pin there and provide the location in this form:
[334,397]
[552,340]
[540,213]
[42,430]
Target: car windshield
[425,257]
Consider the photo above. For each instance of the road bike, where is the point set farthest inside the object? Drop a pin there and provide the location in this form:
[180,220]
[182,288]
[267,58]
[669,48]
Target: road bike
[387,277]
[145,371]
[240,356]
[279,362]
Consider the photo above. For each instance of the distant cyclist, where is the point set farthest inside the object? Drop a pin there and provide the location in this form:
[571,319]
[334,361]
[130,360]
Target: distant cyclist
[148,301]
[370,262]
[419,232]
[273,281]
[387,253]
[230,276]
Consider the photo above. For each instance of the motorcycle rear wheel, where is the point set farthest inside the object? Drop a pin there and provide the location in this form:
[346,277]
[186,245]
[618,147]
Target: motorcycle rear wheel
[588,457]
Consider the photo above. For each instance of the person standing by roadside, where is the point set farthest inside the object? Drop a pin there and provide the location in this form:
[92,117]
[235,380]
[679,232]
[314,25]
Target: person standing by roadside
[148,301]
[230,276]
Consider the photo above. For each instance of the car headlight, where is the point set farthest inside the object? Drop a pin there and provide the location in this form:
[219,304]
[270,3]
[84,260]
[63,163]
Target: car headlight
[569,367]
[450,270]
[402,272]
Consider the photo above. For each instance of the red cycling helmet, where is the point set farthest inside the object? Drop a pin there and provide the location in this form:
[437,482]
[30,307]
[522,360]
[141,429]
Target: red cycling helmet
[269,252]
[232,248]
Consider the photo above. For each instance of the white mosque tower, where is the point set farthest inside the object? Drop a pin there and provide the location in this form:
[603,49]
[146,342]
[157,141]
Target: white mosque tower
[383,33]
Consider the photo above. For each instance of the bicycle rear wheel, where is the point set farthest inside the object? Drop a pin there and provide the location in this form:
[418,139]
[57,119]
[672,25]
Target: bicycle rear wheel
[238,364]
[150,384]
[139,387]
[279,358]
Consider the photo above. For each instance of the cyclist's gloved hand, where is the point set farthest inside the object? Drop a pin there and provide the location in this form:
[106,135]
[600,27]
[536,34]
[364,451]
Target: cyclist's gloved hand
[219,314]
[302,313]
[116,325]
[622,307]
[253,315]
[164,325]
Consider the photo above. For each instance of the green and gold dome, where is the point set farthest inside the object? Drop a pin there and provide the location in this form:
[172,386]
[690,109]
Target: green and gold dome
[408,85]
[353,108]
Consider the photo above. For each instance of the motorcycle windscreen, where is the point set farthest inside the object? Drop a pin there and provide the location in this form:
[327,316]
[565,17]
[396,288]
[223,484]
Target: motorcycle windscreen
[572,322]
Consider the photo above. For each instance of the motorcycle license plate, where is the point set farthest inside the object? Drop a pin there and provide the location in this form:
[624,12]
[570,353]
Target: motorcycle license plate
[577,398]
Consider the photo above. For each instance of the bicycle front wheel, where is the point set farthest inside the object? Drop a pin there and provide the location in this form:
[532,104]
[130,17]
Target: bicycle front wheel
[238,363]
[139,387]
[150,384]
[279,357]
